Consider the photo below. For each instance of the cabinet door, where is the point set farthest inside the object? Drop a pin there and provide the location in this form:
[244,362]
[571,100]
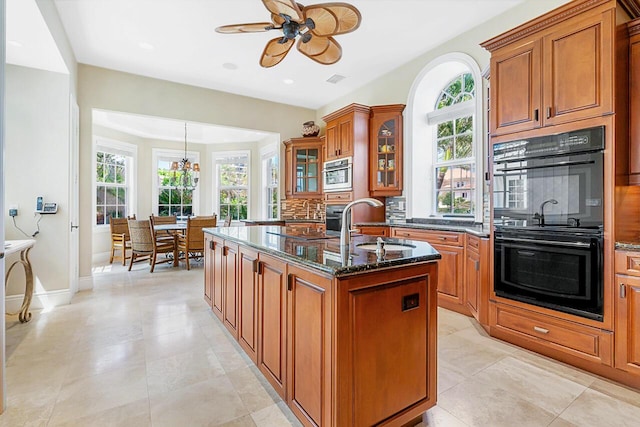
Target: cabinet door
[634,108]
[288,176]
[515,88]
[309,346]
[331,140]
[306,179]
[218,284]
[345,141]
[472,281]
[450,277]
[272,323]
[578,79]
[248,304]
[209,265]
[374,231]
[230,255]
[386,150]
[627,325]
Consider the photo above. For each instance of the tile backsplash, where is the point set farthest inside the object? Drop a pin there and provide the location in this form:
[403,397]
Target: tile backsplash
[395,209]
[297,209]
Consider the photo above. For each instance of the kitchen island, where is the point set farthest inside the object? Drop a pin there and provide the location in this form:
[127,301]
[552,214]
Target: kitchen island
[347,338]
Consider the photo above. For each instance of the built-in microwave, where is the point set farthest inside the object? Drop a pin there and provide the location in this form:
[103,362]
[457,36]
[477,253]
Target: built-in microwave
[338,174]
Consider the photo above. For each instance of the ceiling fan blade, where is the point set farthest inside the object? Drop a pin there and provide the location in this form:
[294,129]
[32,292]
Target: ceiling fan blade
[277,20]
[325,50]
[274,52]
[333,18]
[285,7]
[255,27]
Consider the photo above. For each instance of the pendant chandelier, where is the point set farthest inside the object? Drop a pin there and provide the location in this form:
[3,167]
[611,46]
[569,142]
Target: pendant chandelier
[185,174]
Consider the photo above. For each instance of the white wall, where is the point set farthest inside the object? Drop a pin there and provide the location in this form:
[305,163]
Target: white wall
[99,88]
[37,164]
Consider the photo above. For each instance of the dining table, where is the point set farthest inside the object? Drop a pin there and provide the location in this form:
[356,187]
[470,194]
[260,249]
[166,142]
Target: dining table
[172,228]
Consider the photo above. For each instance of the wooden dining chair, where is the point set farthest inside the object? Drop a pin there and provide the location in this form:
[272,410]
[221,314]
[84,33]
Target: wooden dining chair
[120,240]
[156,220]
[191,244]
[144,245]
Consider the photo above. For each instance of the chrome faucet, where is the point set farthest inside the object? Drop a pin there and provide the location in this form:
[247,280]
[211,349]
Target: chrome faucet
[345,231]
[306,203]
[540,217]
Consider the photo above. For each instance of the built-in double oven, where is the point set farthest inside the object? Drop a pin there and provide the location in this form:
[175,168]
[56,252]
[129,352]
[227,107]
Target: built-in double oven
[548,217]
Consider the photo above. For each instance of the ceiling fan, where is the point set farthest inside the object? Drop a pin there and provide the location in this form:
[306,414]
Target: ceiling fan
[315,24]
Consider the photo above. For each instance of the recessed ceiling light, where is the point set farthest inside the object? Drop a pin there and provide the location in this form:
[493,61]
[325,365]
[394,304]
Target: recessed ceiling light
[229,66]
[145,46]
[288,81]
[14,43]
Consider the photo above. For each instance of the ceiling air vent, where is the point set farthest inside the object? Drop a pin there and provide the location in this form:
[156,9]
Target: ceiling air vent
[335,78]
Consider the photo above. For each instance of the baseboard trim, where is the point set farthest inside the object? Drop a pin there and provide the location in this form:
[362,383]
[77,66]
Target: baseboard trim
[40,300]
[85,283]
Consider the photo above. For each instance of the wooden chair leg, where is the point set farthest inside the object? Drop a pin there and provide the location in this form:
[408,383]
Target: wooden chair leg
[186,258]
[133,257]
[124,256]
[112,253]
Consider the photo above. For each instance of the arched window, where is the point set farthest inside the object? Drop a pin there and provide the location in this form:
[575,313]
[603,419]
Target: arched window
[443,140]
[454,165]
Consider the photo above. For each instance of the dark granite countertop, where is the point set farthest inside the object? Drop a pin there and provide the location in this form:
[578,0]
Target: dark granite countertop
[320,251]
[475,229]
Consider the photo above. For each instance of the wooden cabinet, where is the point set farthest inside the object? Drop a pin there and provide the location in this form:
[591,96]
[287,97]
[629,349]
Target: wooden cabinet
[374,230]
[209,268]
[346,128]
[385,156]
[230,287]
[450,245]
[272,320]
[627,324]
[248,302]
[303,168]
[215,252]
[476,274]
[552,70]
[634,102]
[309,356]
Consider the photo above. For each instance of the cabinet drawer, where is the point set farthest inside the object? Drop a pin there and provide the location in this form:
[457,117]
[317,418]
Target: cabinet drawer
[338,196]
[628,263]
[374,231]
[440,237]
[579,340]
[473,243]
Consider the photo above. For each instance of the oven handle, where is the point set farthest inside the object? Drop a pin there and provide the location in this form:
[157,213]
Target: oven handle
[585,162]
[348,167]
[545,242]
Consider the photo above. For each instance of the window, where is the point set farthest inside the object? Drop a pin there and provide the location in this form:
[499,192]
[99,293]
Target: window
[113,180]
[270,179]
[172,200]
[232,177]
[455,162]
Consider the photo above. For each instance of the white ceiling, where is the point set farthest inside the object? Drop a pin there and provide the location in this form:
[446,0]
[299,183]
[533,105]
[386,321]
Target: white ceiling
[186,49]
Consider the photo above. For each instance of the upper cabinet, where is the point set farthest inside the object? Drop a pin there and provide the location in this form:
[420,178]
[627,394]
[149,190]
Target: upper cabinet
[634,102]
[303,166]
[385,156]
[555,69]
[346,128]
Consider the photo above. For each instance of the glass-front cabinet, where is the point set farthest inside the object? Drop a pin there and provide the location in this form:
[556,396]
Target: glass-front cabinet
[385,128]
[303,164]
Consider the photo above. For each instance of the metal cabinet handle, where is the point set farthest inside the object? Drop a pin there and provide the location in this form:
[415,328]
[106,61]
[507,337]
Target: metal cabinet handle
[623,290]
[477,265]
[212,245]
[536,115]
[255,266]
[548,112]
[541,330]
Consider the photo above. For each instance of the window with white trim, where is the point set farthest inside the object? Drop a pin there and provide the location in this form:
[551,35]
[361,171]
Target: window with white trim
[270,180]
[171,199]
[232,184]
[114,176]
[455,162]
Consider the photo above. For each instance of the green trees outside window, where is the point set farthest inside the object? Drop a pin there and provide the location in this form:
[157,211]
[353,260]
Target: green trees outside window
[111,187]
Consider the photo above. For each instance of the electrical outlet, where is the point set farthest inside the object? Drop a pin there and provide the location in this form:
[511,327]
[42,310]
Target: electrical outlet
[13,212]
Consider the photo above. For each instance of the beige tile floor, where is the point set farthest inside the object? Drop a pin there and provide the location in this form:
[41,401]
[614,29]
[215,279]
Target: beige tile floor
[143,349]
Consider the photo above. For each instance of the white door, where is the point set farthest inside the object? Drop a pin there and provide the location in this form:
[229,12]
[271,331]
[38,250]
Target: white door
[74,190]
[3,399]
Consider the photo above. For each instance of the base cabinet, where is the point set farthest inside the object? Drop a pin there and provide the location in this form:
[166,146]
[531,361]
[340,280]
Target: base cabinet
[209,269]
[272,321]
[214,251]
[309,346]
[331,347]
[476,277]
[451,292]
[230,287]
[248,302]
[627,326]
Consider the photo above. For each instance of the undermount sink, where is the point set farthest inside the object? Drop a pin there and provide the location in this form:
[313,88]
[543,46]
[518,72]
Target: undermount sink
[387,246]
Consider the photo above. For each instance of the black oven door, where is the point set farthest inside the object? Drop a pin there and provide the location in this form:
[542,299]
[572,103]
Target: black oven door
[558,271]
[333,217]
